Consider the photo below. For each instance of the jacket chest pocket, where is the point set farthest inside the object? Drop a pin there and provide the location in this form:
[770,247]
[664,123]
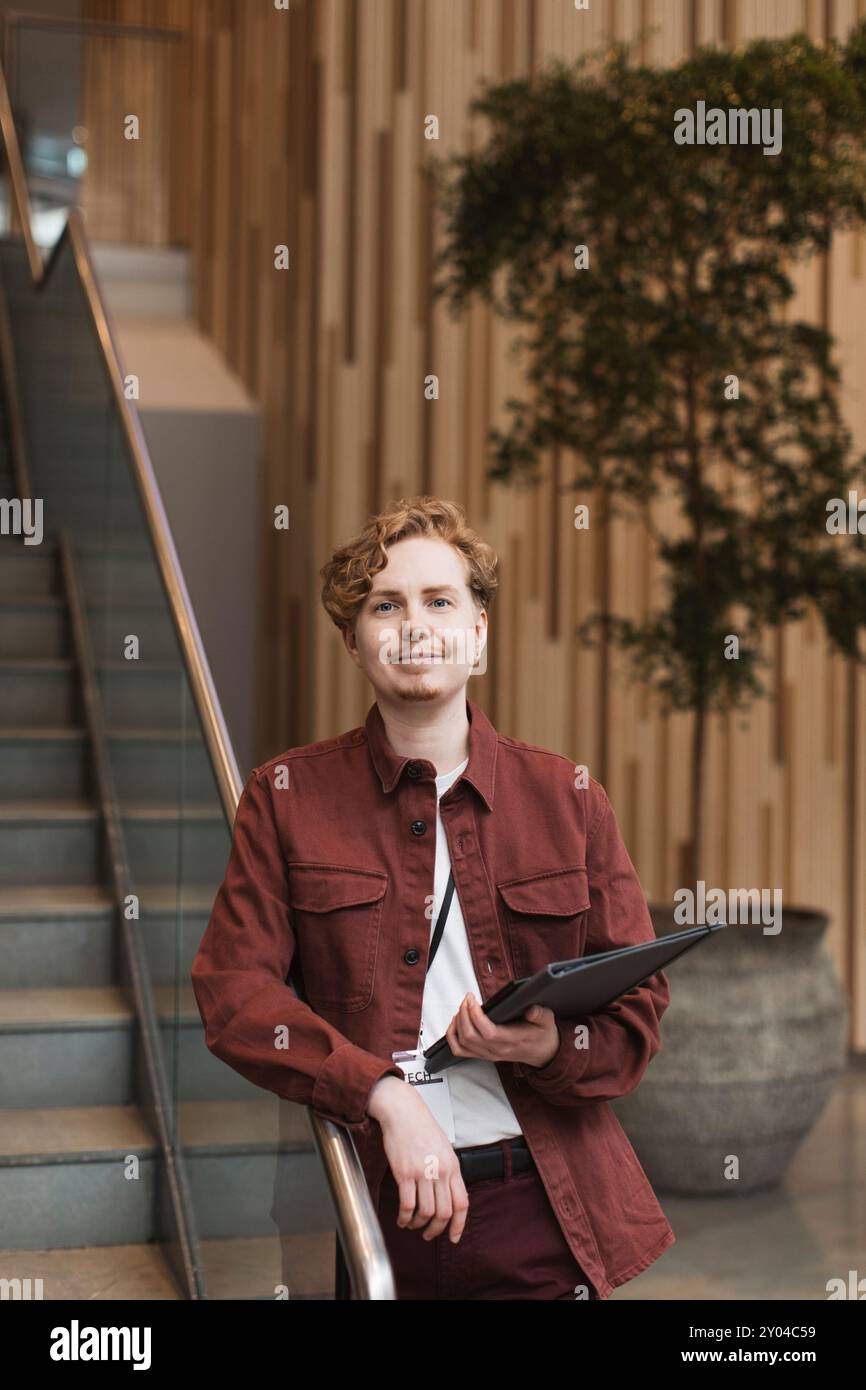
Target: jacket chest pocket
[336,915]
[545,916]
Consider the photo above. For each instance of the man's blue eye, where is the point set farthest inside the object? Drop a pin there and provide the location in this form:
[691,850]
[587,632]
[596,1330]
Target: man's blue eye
[386,602]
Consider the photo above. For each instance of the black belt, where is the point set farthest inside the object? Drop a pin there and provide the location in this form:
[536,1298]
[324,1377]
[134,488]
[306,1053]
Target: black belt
[488,1160]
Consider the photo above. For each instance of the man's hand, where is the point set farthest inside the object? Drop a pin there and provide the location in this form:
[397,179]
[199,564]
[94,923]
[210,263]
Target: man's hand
[534,1040]
[424,1165]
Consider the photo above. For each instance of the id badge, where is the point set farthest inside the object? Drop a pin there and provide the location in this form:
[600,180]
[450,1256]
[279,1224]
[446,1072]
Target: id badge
[432,1088]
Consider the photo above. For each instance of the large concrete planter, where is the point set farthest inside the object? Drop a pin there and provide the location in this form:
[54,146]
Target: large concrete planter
[752,1043]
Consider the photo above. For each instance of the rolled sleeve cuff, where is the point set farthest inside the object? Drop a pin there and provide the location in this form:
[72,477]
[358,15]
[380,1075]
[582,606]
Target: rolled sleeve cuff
[565,1067]
[343,1086]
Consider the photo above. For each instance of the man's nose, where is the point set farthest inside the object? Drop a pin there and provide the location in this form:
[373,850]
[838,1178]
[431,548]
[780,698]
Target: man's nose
[419,623]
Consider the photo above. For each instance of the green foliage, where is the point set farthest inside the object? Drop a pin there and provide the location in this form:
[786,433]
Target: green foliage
[687,283]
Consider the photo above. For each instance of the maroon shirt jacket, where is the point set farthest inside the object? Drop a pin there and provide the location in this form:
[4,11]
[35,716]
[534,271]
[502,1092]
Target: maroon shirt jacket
[330,873]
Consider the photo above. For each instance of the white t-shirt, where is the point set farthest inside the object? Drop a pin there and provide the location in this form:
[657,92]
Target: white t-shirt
[482,1111]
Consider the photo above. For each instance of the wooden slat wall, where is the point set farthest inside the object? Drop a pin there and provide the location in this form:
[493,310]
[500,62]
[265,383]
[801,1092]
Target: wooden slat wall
[135,190]
[306,128]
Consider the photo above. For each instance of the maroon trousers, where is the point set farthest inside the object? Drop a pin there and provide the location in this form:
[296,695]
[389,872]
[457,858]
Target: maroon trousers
[511,1246]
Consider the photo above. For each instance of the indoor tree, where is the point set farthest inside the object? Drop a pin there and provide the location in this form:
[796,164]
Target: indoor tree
[649,280]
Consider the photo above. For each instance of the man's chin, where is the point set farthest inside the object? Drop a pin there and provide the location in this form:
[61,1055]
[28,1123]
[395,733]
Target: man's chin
[420,686]
[418,691]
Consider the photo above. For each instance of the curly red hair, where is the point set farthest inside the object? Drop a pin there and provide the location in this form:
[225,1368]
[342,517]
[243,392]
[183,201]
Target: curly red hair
[349,573]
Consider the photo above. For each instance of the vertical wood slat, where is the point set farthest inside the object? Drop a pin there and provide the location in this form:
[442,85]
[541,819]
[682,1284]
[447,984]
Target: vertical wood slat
[338,360]
[130,190]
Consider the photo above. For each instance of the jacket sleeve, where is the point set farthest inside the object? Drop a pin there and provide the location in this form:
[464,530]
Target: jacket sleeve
[252,1018]
[625,1035]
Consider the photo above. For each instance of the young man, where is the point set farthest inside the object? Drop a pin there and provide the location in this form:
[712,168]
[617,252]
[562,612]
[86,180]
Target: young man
[510,1177]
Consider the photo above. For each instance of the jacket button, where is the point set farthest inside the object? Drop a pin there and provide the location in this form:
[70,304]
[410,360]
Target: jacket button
[412,957]
[414,770]
[419,827]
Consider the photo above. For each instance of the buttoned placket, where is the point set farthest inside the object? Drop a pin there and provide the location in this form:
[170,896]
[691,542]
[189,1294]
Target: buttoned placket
[412,790]
[470,879]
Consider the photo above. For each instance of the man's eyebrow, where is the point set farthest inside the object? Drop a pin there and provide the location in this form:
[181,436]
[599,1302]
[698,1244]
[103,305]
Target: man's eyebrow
[429,589]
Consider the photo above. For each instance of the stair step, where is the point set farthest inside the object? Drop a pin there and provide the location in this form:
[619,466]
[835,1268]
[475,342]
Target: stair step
[127,573]
[29,570]
[47,762]
[38,626]
[52,1010]
[77,1008]
[150,621]
[63,1176]
[68,936]
[234,1270]
[147,763]
[39,690]
[140,694]
[62,1170]
[138,1272]
[88,1007]
[252,1164]
[51,841]
[70,1046]
[303,1264]
[80,1133]
[62,841]
[120,575]
[33,626]
[74,1045]
[55,902]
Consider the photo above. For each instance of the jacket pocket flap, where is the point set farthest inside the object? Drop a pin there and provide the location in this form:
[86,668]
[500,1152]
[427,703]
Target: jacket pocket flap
[557,893]
[327,887]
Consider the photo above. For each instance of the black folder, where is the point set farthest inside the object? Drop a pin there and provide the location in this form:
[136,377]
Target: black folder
[576,988]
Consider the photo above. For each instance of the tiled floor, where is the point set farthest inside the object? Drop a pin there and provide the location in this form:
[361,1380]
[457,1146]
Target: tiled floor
[782,1244]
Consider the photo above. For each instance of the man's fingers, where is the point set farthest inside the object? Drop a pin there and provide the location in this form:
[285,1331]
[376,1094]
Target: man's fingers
[459,1205]
[425,1207]
[465,1026]
[408,1199]
[442,1197]
[484,1027]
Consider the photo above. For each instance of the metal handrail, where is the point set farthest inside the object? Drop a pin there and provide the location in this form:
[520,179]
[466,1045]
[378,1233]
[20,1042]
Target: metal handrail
[363,1246]
[18,181]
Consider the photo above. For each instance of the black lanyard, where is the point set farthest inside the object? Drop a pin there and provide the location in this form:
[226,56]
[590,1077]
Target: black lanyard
[440,921]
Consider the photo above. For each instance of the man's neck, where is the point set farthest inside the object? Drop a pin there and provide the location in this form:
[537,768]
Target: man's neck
[437,733]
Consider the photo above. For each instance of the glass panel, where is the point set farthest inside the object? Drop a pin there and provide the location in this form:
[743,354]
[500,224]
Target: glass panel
[175,833]
[88,98]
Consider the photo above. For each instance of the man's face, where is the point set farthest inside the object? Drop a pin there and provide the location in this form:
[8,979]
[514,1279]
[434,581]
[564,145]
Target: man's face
[419,630]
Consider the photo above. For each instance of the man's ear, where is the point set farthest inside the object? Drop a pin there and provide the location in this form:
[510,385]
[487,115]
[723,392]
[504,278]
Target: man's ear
[481,634]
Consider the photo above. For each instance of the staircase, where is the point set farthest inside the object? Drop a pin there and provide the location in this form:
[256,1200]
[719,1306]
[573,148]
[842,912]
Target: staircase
[82,1200]
[135,1164]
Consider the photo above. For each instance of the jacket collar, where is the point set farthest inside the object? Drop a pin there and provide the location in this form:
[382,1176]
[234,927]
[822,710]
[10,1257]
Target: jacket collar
[480,770]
